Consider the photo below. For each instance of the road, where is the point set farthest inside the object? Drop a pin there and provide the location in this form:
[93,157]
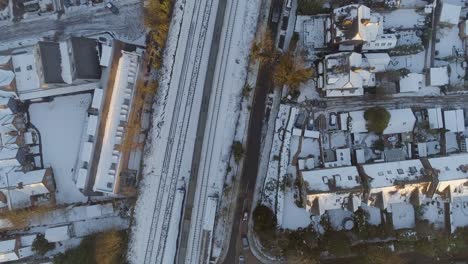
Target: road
[358,103]
[127,25]
[251,159]
[249,173]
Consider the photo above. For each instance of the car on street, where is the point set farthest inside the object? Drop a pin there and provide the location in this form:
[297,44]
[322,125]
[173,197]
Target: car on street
[246,216]
[241,259]
[245,242]
[112,8]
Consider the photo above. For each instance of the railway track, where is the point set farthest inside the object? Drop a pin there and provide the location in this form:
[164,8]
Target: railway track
[175,148]
[194,253]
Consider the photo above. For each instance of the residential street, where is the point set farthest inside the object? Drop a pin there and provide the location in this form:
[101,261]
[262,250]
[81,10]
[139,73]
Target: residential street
[127,25]
[357,103]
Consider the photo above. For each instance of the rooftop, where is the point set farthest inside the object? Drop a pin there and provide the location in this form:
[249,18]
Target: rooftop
[452,167]
[332,179]
[401,121]
[454,120]
[394,173]
[411,83]
[108,168]
[439,76]
[450,13]
[435,118]
[356,22]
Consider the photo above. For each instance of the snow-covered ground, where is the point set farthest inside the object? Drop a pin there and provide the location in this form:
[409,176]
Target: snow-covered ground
[414,62]
[403,18]
[60,123]
[448,41]
[293,216]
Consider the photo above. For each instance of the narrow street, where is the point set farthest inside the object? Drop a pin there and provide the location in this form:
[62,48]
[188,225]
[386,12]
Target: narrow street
[250,171]
[358,103]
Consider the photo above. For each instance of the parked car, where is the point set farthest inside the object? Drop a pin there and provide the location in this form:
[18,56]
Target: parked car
[245,242]
[112,8]
[246,216]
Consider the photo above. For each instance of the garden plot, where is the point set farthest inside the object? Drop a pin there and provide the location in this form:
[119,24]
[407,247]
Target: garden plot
[433,211]
[60,123]
[336,139]
[414,63]
[403,19]
[456,71]
[310,148]
[448,42]
[307,91]
[293,216]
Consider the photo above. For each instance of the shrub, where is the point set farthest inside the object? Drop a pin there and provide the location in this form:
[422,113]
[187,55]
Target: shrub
[103,248]
[377,119]
[237,150]
[264,219]
[311,7]
[41,245]
[291,72]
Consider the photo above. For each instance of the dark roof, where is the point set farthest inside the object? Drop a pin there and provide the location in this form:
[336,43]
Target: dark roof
[51,62]
[85,55]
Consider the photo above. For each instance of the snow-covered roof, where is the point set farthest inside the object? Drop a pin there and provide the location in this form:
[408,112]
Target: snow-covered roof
[56,234]
[346,73]
[306,163]
[377,61]
[92,125]
[7,245]
[4,59]
[356,22]
[105,55]
[435,118]
[108,169]
[311,30]
[422,149]
[81,178]
[391,173]
[450,13]
[8,157]
[6,77]
[360,156]
[97,99]
[297,132]
[320,203]
[438,76]
[343,158]
[311,134]
[332,179]
[28,178]
[452,167]
[27,240]
[86,151]
[26,73]
[65,62]
[401,121]
[411,83]
[8,250]
[210,213]
[383,42]
[454,120]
